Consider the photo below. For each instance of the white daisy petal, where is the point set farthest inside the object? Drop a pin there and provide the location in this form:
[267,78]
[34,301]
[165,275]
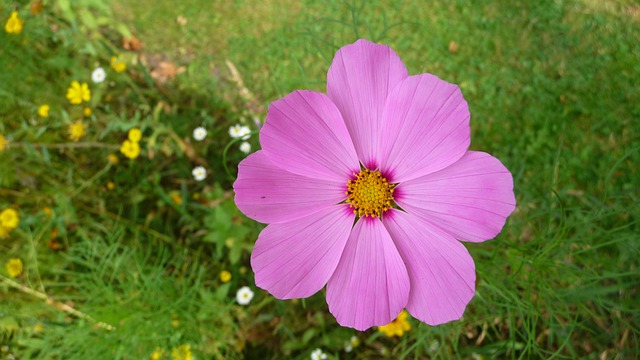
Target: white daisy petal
[245,147]
[317,354]
[234,131]
[199,173]
[244,132]
[240,131]
[199,133]
[244,295]
[98,75]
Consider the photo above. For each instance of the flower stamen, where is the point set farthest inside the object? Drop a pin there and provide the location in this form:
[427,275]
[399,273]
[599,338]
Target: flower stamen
[370,194]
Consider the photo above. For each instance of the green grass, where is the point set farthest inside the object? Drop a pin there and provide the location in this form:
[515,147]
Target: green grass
[553,92]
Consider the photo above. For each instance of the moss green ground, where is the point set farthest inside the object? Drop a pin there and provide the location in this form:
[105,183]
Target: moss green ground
[553,92]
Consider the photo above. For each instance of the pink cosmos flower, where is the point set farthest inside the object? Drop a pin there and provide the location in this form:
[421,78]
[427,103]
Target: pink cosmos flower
[368,189]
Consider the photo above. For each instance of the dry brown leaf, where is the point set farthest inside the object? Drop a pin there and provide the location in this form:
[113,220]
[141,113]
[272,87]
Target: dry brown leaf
[36,7]
[132,43]
[453,47]
[166,70]
[634,12]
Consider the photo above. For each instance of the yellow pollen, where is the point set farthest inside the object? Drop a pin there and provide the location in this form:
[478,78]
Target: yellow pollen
[370,194]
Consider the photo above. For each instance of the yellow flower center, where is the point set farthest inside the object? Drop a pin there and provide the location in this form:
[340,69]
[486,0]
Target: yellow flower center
[370,194]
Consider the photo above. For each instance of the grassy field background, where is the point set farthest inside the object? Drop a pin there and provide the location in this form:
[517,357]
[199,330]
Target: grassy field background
[553,91]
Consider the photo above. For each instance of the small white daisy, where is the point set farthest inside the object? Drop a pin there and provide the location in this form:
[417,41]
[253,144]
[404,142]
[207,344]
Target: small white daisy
[245,147]
[98,75]
[199,173]
[234,131]
[244,132]
[244,295]
[199,133]
[239,131]
[317,354]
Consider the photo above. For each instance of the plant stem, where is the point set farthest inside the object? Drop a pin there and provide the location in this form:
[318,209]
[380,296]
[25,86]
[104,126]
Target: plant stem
[56,304]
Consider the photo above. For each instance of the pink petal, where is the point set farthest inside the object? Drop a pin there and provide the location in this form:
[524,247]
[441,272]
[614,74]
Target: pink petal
[268,194]
[304,134]
[425,128]
[296,259]
[370,286]
[359,80]
[441,271]
[470,199]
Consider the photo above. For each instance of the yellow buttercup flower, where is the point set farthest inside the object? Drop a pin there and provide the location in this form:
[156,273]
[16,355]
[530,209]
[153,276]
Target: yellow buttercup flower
[14,267]
[175,197]
[113,159]
[77,130]
[111,185]
[130,149]
[182,352]
[118,64]
[156,354]
[87,111]
[397,327]
[9,219]
[3,143]
[14,24]
[43,110]
[78,93]
[135,135]
[225,276]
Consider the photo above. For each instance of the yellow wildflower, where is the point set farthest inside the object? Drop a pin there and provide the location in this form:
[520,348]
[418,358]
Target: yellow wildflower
[174,321]
[113,159]
[87,111]
[14,24]
[78,93]
[3,232]
[111,185]
[77,130]
[14,267]
[130,149]
[118,64]
[156,354]
[9,219]
[175,197]
[397,327]
[182,352]
[43,110]
[3,143]
[135,135]
[47,211]
[225,276]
